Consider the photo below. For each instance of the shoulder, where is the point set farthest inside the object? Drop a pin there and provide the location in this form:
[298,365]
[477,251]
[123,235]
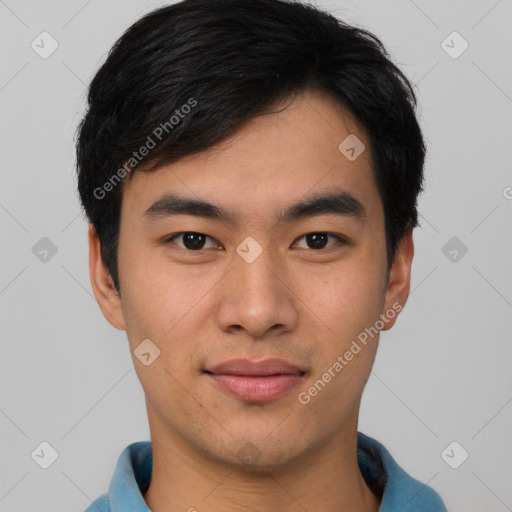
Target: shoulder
[100,504]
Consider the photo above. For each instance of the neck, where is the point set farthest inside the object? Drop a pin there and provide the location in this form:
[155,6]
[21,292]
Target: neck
[325,479]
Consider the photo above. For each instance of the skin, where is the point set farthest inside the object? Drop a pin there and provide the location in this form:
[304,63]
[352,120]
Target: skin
[295,302]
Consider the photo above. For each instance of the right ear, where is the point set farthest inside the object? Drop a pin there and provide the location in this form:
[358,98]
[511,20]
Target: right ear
[103,287]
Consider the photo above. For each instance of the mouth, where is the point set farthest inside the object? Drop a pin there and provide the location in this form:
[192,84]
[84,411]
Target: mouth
[261,381]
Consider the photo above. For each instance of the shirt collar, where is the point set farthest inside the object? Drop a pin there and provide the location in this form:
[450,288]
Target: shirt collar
[399,491]
[131,478]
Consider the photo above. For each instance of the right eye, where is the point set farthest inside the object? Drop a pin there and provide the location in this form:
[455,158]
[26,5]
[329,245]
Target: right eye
[192,241]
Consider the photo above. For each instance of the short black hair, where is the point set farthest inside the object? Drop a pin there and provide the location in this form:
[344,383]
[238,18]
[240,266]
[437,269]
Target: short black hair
[188,75]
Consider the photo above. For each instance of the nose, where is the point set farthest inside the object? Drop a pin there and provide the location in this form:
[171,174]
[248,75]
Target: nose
[257,298]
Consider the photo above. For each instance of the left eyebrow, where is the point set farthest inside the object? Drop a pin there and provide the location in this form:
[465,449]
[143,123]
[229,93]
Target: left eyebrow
[337,202]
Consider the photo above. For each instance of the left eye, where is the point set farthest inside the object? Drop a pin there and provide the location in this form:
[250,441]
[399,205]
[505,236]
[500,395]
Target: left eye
[193,241]
[318,240]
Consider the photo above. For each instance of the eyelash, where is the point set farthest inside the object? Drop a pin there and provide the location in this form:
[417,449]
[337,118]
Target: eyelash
[341,240]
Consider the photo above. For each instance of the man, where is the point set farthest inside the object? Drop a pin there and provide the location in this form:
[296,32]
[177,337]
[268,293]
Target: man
[250,170]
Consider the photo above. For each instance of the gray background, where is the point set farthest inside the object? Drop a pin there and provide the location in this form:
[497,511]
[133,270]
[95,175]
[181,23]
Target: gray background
[442,373]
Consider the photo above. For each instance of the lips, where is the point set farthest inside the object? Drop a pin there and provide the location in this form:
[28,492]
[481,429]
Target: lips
[260,381]
[249,368]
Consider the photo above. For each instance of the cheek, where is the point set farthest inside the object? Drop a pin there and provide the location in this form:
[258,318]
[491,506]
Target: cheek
[344,308]
[348,306]
[346,302]
[163,303]
[156,293]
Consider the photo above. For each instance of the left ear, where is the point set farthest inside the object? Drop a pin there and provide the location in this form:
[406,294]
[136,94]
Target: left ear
[399,282]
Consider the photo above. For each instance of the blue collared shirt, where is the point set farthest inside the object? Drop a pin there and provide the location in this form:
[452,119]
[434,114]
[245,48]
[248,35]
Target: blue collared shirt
[400,492]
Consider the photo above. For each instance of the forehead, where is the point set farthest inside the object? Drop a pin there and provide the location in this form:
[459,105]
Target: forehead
[306,147]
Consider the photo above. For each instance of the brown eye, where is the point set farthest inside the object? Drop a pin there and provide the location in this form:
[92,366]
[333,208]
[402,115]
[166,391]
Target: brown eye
[191,240]
[318,240]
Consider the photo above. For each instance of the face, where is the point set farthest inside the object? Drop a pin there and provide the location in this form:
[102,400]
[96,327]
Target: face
[262,281]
